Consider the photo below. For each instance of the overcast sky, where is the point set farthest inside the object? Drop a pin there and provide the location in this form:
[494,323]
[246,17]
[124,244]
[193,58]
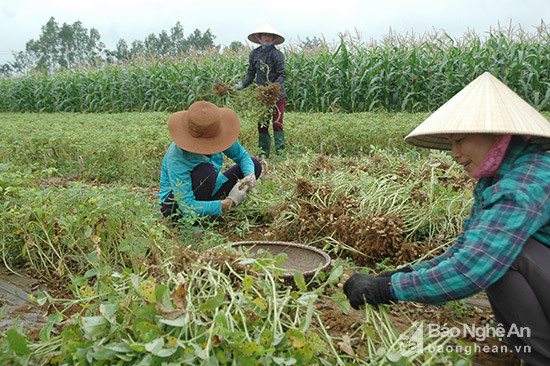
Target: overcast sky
[233,20]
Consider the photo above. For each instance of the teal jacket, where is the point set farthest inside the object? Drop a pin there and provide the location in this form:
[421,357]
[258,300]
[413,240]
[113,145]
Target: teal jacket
[175,176]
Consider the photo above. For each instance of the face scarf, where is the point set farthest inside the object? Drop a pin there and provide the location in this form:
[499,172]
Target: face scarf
[492,161]
[266,44]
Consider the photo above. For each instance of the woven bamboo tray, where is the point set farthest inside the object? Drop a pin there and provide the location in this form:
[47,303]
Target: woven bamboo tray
[302,258]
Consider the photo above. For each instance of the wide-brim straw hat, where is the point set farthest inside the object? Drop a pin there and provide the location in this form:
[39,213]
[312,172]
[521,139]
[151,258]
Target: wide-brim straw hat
[204,128]
[266,28]
[485,105]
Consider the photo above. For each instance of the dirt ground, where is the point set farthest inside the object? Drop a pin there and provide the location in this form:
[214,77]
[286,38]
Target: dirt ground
[15,290]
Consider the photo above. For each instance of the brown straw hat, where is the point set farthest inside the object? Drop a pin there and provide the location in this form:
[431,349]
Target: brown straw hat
[485,105]
[204,128]
[266,28]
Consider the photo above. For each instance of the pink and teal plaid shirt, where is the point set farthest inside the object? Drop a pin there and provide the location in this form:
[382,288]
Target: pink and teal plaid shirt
[509,208]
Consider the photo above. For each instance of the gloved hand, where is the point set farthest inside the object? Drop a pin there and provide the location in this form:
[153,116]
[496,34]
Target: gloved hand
[249,180]
[405,269]
[238,86]
[361,288]
[237,195]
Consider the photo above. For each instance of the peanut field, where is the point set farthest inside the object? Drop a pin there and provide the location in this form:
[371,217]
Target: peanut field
[117,284]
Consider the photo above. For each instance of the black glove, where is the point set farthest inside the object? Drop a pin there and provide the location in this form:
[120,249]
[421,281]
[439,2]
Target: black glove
[361,288]
[405,269]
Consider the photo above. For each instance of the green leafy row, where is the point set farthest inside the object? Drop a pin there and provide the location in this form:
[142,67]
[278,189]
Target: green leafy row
[129,147]
[398,74]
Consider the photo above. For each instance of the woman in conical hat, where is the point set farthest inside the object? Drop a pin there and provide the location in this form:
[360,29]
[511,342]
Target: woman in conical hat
[190,180]
[266,64]
[504,248]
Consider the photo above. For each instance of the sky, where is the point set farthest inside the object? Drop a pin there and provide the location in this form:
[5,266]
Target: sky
[296,20]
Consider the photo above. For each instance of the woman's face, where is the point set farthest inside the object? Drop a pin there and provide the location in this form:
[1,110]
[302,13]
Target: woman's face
[470,149]
[266,37]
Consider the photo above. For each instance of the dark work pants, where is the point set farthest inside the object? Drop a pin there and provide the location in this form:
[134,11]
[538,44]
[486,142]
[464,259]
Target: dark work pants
[203,181]
[521,299]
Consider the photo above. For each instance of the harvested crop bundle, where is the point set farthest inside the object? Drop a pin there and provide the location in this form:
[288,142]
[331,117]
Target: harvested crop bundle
[221,89]
[269,94]
[225,259]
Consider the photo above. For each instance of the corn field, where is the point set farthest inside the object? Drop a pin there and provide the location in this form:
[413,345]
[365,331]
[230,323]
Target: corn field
[398,74]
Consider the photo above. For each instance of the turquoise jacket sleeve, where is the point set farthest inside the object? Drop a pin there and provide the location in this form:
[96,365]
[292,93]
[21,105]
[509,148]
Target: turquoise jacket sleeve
[176,177]
[239,155]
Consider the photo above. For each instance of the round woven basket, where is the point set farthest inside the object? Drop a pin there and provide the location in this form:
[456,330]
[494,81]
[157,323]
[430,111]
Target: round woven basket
[302,258]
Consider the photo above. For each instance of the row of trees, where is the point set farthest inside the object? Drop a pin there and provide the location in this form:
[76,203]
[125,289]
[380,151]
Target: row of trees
[66,46]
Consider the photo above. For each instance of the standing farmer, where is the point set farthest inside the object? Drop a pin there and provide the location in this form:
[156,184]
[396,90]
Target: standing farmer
[266,64]
[504,247]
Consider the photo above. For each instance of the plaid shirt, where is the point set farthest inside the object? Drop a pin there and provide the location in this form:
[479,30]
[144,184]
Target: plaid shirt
[509,208]
[266,64]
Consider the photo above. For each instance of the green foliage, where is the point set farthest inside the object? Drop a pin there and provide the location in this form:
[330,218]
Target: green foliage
[205,316]
[129,147]
[61,48]
[139,86]
[54,228]
[68,46]
[415,74]
[396,75]
[213,319]
[102,148]
[78,195]
[348,134]
[173,44]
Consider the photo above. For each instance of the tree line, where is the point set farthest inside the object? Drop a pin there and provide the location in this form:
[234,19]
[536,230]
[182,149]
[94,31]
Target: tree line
[66,46]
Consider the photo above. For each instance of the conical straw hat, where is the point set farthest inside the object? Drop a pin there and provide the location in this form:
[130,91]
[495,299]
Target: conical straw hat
[266,28]
[485,105]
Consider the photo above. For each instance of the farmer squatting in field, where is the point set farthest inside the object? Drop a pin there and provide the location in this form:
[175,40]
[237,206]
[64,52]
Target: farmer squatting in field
[504,247]
[190,179]
[266,64]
